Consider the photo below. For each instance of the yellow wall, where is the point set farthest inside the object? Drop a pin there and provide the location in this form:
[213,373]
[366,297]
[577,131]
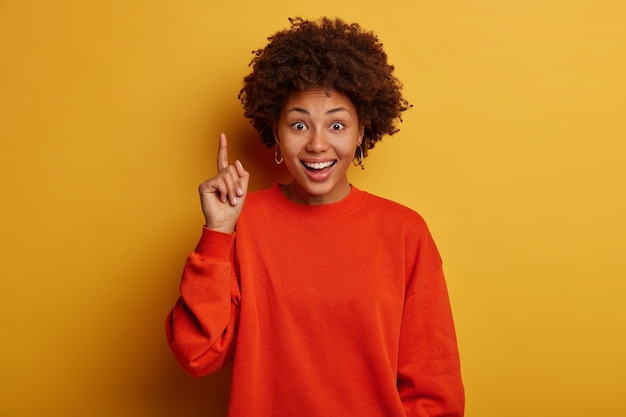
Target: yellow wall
[514,152]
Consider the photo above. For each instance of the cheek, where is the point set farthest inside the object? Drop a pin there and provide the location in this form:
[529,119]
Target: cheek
[348,148]
[288,147]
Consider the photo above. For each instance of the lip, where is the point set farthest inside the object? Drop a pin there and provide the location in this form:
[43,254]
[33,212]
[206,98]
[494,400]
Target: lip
[321,174]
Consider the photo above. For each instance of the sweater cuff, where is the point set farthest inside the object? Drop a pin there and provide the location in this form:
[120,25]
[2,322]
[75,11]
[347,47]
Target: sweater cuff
[214,244]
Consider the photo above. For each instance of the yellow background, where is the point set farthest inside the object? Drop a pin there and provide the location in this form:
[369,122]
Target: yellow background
[514,153]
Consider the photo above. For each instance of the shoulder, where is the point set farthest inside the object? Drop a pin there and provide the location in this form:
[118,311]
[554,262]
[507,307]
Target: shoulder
[260,202]
[404,226]
[391,218]
[392,210]
[264,196]
[259,196]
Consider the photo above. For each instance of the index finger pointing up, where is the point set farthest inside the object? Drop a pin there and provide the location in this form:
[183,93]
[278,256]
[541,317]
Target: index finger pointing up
[222,153]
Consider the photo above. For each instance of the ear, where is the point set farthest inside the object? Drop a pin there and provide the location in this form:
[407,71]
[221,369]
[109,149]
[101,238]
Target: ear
[361,134]
[275,132]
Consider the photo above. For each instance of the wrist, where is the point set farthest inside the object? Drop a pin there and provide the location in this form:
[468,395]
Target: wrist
[222,228]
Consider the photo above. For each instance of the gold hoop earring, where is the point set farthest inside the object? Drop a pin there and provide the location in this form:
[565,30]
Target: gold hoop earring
[276,152]
[357,161]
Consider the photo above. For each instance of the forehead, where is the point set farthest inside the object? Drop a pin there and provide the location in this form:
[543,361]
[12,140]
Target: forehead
[318,99]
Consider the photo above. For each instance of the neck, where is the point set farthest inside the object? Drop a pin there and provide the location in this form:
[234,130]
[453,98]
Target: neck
[296,195]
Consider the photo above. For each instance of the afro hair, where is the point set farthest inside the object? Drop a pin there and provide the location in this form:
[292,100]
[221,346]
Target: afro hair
[330,54]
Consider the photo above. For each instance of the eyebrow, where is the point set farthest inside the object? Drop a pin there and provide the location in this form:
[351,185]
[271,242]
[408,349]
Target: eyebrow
[304,111]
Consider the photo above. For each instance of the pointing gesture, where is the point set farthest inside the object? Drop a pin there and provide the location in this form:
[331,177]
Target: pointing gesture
[222,153]
[222,196]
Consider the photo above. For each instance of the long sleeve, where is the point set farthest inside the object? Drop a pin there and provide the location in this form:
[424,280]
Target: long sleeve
[201,327]
[321,316]
[429,377]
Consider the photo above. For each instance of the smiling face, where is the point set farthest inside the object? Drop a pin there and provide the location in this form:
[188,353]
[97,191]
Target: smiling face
[318,132]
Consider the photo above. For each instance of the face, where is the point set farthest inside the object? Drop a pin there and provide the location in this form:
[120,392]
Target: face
[318,132]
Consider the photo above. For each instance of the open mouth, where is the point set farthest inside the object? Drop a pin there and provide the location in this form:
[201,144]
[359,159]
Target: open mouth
[318,166]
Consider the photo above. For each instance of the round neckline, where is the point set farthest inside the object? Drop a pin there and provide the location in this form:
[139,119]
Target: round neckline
[339,208]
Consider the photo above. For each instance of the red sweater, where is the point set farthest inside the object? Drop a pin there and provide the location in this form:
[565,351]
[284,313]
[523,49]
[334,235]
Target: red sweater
[328,310]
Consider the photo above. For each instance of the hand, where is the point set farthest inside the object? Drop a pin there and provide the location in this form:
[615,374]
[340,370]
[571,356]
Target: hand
[222,196]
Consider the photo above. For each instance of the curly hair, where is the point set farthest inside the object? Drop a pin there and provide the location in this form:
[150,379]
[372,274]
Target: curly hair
[330,54]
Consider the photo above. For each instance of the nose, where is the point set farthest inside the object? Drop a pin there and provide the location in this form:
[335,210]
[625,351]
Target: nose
[318,142]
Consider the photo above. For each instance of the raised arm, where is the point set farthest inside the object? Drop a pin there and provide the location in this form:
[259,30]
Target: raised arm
[202,326]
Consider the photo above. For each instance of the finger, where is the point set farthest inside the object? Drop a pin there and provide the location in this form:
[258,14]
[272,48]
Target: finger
[243,178]
[222,153]
[215,186]
[233,185]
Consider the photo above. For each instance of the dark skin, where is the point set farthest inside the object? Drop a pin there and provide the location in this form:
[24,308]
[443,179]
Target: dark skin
[223,195]
[329,54]
[318,131]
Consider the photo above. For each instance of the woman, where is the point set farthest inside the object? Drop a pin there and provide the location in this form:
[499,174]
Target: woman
[328,300]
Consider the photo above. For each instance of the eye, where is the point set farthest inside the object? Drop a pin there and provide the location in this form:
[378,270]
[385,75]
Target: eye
[298,126]
[337,126]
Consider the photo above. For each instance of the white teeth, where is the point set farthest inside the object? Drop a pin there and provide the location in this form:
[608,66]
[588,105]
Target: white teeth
[319,165]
